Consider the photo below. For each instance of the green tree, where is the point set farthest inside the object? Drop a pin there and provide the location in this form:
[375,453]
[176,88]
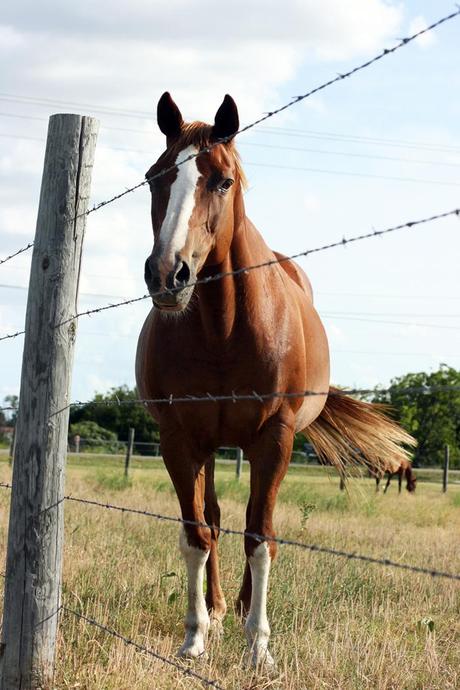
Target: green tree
[119,415]
[433,418]
[11,401]
[93,437]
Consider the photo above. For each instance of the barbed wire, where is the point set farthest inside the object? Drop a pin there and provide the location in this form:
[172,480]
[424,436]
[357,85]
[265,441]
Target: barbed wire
[296,99]
[316,548]
[254,395]
[265,264]
[19,251]
[185,670]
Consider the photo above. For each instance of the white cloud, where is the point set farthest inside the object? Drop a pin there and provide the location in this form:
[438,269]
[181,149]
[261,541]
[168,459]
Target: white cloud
[10,39]
[425,40]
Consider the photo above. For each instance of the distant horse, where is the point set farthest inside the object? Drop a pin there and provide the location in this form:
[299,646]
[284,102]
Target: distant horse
[255,331]
[404,470]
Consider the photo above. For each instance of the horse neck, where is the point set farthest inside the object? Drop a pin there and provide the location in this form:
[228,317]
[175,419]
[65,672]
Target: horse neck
[218,300]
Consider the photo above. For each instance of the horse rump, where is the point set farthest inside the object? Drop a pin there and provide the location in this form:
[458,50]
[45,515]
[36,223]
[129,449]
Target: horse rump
[354,432]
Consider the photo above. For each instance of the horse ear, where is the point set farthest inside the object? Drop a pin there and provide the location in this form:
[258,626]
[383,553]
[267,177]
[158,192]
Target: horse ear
[226,122]
[169,116]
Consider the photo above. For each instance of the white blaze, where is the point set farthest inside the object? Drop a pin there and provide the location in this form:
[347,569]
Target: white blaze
[174,229]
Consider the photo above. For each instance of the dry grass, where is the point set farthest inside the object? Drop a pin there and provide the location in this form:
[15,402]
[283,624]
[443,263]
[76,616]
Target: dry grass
[335,623]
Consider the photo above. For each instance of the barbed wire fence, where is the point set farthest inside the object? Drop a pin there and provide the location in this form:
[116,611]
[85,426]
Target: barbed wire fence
[408,225]
[317,548]
[296,99]
[43,492]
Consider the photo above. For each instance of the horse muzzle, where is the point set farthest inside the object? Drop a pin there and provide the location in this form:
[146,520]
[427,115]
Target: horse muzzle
[169,291]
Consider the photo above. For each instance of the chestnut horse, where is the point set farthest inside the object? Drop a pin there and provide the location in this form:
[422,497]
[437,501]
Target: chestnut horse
[404,470]
[255,331]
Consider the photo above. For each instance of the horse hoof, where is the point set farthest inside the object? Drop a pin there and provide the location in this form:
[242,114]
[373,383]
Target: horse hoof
[193,651]
[262,661]
[216,629]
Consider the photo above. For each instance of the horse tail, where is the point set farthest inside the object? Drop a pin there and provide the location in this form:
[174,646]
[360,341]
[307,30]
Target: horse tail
[350,431]
[411,479]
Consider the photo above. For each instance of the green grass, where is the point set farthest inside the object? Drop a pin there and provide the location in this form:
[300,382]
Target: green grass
[335,623]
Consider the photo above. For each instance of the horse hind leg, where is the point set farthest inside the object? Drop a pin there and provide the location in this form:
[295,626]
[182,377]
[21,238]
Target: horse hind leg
[215,600]
[243,601]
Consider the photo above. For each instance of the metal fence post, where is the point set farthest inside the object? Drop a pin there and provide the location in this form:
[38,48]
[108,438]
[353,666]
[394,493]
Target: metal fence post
[445,472]
[129,450]
[239,463]
[35,536]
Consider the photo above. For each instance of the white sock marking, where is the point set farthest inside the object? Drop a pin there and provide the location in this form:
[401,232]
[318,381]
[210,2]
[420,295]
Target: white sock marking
[197,618]
[174,229]
[257,627]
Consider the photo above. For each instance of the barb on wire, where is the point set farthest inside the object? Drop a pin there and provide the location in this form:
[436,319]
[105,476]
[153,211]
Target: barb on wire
[185,670]
[296,99]
[12,335]
[20,251]
[317,548]
[265,264]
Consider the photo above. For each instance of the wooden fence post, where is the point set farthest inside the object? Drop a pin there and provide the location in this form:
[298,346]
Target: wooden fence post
[129,451]
[35,536]
[239,463]
[342,483]
[445,471]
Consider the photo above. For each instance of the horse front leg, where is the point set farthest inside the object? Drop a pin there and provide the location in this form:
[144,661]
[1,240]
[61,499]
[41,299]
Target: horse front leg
[269,458]
[187,474]
[215,599]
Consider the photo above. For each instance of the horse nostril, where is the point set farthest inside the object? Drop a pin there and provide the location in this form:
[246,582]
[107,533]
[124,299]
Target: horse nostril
[183,274]
[147,271]
[151,277]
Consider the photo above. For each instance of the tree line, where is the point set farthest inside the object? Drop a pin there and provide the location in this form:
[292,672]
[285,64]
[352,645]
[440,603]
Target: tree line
[433,418]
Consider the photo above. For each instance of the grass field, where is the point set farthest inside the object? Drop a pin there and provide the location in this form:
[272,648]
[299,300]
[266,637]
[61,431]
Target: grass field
[335,623]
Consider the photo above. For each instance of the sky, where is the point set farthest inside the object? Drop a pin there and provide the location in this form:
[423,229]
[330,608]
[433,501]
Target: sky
[375,150]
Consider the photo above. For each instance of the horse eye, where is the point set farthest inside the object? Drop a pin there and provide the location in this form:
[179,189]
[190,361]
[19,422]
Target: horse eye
[225,185]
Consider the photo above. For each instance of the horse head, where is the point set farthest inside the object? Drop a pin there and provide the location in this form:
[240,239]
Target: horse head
[192,202]
[411,479]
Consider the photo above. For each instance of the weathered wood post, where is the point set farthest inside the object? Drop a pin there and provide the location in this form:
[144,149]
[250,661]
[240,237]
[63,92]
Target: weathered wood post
[129,450]
[35,537]
[342,483]
[239,463]
[445,470]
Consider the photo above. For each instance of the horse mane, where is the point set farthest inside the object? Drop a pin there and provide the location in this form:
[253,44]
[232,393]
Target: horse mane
[200,134]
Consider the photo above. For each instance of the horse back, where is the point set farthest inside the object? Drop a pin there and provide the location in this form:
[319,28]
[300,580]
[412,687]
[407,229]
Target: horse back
[296,273]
